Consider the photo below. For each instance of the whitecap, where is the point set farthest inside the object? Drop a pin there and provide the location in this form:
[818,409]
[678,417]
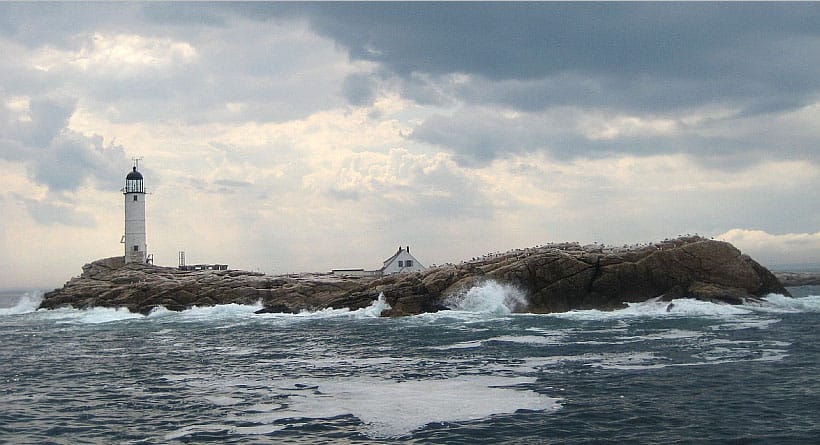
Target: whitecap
[24,303]
[685,307]
[460,345]
[394,409]
[374,310]
[223,400]
[779,303]
[94,315]
[489,297]
[196,429]
[535,340]
[386,408]
[527,339]
[218,312]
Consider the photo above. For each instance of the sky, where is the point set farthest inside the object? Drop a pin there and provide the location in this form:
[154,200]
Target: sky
[295,137]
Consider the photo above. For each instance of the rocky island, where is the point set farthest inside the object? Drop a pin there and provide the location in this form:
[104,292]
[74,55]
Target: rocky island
[798,278]
[553,278]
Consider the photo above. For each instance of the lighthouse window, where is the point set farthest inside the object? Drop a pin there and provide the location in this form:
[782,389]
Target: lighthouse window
[136,248]
[135,197]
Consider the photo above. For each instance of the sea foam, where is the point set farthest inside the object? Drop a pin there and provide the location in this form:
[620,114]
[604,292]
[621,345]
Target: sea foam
[24,303]
[386,408]
[489,297]
[684,307]
[780,303]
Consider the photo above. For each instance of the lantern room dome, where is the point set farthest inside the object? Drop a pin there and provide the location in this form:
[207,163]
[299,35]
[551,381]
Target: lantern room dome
[134,175]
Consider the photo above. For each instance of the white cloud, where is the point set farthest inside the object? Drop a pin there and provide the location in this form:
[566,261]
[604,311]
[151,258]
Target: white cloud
[606,127]
[119,55]
[784,248]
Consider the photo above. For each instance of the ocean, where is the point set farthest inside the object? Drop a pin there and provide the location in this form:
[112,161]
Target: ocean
[695,372]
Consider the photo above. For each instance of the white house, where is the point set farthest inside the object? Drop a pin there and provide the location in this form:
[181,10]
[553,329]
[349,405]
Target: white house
[401,262]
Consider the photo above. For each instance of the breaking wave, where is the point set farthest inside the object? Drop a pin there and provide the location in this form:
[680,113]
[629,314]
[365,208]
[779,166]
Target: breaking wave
[489,297]
[28,304]
[686,307]
[23,303]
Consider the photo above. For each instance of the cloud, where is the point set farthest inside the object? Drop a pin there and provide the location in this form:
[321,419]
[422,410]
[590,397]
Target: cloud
[663,56]
[36,133]
[46,118]
[783,248]
[360,89]
[118,55]
[73,158]
[416,185]
[49,212]
[138,67]
[582,79]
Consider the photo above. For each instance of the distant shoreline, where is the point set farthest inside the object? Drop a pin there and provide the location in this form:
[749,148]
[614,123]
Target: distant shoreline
[796,279]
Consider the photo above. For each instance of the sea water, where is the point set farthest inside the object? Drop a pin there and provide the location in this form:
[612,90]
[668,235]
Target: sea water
[694,372]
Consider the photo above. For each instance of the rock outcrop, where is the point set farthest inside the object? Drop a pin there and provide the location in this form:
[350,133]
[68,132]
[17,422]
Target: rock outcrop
[111,282]
[554,278]
[798,278]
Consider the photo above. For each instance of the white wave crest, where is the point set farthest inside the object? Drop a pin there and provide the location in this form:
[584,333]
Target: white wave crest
[489,297]
[373,311]
[386,408]
[780,303]
[25,303]
[222,312]
[95,315]
[685,307]
[207,313]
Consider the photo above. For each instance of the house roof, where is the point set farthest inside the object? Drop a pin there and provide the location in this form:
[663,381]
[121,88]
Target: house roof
[390,260]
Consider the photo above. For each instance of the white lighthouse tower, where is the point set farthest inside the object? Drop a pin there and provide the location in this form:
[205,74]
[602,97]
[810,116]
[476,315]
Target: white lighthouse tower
[134,239]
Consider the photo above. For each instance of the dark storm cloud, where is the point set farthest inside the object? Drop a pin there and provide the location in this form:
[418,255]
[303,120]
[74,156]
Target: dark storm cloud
[359,89]
[171,13]
[72,158]
[477,136]
[758,61]
[56,211]
[610,54]
[53,23]
[48,118]
[55,156]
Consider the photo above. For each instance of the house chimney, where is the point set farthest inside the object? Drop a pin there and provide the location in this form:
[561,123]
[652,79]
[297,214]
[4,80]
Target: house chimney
[408,249]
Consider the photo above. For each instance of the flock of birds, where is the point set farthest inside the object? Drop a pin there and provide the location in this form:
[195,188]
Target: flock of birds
[575,246]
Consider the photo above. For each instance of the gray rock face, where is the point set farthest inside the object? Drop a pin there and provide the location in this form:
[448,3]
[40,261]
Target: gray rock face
[554,278]
[142,287]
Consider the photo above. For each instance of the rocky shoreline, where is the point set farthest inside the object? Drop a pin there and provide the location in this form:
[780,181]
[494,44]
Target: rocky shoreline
[798,278]
[553,278]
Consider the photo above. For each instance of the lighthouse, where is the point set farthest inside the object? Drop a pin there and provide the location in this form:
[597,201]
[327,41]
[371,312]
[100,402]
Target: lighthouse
[134,239]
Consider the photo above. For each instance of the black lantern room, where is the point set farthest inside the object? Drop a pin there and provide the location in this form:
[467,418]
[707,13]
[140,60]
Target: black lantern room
[133,182]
